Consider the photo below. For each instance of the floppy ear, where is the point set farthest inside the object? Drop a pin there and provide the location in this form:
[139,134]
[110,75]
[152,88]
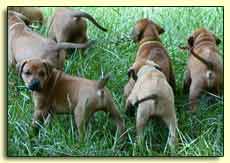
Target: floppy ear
[47,66]
[190,41]
[132,74]
[159,29]
[19,67]
[218,41]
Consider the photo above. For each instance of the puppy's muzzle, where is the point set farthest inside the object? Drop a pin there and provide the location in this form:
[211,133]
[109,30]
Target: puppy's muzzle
[34,85]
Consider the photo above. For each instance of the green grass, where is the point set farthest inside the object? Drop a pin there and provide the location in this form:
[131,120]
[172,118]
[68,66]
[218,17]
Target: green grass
[199,134]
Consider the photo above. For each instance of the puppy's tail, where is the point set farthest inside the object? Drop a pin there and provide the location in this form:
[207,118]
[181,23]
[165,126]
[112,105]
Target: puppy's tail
[102,82]
[68,45]
[210,78]
[150,97]
[86,15]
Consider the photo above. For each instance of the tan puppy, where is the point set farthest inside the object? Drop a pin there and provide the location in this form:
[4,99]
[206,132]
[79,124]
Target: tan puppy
[25,44]
[67,25]
[34,14]
[56,92]
[146,34]
[154,97]
[205,67]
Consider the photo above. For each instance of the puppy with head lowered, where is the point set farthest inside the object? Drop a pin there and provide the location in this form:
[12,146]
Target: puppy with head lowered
[23,43]
[68,25]
[204,68]
[56,92]
[147,34]
[153,96]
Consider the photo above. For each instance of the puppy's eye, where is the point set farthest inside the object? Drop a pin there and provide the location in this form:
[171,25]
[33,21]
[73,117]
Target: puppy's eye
[28,73]
[41,74]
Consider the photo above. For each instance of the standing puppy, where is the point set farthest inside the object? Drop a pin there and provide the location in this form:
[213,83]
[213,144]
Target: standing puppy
[205,67]
[56,92]
[25,44]
[154,97]
[67,25]
[146,34]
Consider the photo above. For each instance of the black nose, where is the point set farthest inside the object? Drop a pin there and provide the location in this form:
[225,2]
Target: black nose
[35,85]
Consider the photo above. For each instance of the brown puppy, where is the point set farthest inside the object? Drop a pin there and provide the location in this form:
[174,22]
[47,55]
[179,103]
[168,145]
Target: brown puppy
[25,44]
[154,97]
[34,14]
[56,92]
[205,67]
[146,34]
[67,25]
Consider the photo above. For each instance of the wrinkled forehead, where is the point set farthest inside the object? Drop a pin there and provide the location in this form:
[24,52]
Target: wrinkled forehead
[200,31]
[33,66]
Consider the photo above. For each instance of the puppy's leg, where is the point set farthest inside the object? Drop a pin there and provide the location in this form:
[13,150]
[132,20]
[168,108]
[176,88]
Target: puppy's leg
[39,117]
[79,115]
[128,88]
[171,122]
[194,93]
[143,115]
[112,109]
[187,81]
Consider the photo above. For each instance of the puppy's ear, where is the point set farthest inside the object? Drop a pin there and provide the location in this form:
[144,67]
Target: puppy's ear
[191,41]
[19,66]
[159,29]
[132,74]
[218,41]
[47,66]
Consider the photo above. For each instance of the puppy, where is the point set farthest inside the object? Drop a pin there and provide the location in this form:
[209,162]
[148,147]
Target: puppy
[25,44]
[56,92]
[34,14]
[204,68]
[146,34]
[153,96]
[67,25]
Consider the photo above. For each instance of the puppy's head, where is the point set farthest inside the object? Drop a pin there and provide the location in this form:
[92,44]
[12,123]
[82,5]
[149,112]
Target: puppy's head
[202,32]
[35,73]
[146,28]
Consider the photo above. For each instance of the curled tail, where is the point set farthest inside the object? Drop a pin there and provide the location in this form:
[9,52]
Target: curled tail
[89,17]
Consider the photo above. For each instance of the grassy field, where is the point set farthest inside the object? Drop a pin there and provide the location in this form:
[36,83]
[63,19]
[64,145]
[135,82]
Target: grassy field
[199,134]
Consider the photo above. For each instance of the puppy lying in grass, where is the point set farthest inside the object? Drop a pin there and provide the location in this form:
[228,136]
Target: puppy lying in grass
[147,34]
[68,25]
[54,91]
[153,96]
[205,67]
[23,44]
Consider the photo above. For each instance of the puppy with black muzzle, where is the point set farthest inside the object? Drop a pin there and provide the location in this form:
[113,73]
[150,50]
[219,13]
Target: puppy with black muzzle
[56,92]
[205,66]
[147,34]
[153,96]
